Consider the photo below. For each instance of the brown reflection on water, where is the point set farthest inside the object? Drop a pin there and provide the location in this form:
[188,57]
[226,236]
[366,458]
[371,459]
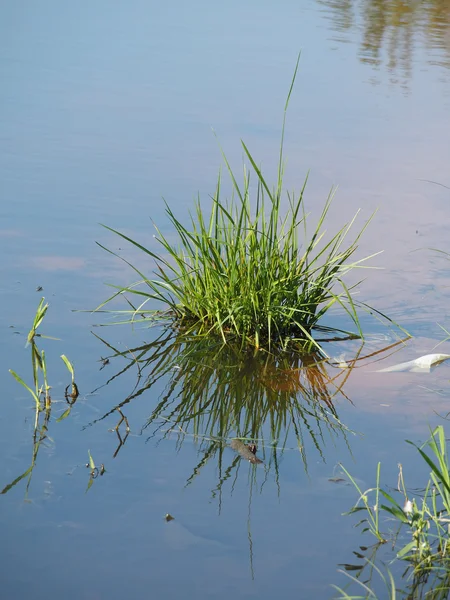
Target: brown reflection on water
[214,392]
[391,30]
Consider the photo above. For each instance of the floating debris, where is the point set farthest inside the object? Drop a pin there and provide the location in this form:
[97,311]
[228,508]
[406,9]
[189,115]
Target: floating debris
[408,507]
[338,480]
[423,364]
[248,452]
[340,362]
[104,361]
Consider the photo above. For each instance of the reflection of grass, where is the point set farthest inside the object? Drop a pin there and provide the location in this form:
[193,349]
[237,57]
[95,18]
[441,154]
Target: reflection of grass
[426,545]
[39,435]
[392,31]
[214,392]
[249,272]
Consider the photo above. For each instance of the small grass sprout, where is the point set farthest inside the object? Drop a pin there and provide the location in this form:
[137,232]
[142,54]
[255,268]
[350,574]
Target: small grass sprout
[38,362]
[40,393]
[94,471]
[363,504]
[38,318]
[74,393]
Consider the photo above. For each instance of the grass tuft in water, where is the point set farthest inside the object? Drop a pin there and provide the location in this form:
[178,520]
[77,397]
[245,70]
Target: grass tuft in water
[40,392]
[422,536]
[38,363]
[247,270]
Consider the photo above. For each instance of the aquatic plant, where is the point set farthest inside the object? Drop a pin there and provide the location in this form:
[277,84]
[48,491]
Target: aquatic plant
[372,521]
[74,393]
[38,362]
[389,587]
[40,392]
[370,578]
[248,270]
[425,545]
[94,471]
[39,365]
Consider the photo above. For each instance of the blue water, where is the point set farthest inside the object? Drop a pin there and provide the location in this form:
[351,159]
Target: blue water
[105,110]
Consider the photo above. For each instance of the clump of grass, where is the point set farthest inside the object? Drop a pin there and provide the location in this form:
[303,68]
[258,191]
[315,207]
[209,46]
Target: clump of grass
[425,520]
[249,271]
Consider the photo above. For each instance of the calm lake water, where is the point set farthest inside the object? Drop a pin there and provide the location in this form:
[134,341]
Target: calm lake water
[108,107]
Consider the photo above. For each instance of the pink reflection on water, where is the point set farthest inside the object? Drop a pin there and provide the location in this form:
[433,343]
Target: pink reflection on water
[58,263]
[419,397]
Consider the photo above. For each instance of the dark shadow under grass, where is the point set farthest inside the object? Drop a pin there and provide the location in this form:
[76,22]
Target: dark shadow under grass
[248,270]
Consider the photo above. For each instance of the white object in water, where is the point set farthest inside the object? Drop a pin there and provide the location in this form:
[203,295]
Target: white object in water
[423,364]
[340,362]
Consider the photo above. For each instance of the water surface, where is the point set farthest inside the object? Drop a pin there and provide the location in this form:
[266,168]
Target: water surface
[107,109]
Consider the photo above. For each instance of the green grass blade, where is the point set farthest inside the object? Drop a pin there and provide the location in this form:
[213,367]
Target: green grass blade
[21,381]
